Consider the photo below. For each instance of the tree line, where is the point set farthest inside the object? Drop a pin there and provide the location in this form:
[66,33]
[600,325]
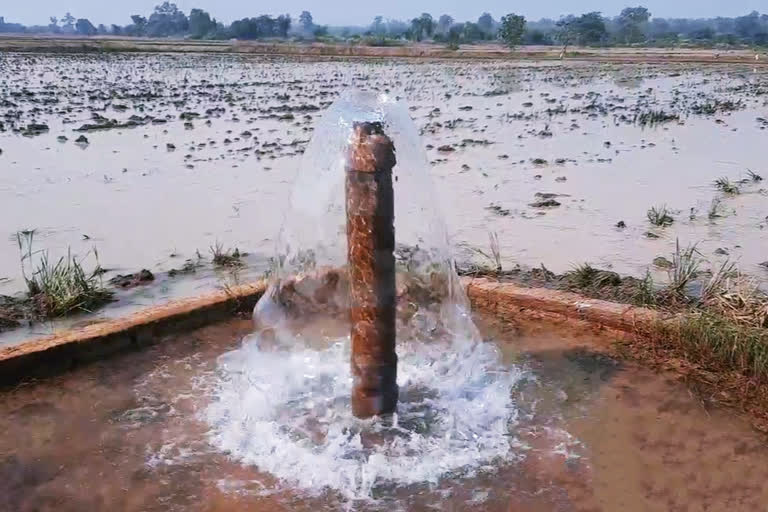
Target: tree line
[167,20]
[633,26]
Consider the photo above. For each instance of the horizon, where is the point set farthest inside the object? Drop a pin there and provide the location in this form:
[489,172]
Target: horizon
[338,14]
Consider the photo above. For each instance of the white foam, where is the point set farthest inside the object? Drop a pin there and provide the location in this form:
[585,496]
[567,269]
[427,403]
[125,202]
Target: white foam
[287,413]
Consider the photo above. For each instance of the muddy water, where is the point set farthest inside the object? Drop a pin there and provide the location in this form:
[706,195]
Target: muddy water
[225,177]
[595,434]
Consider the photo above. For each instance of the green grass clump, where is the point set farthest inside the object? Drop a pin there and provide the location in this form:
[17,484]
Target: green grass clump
[645,293]
[586,276]
[660,216]
[726,186]
[685,269]
[719,342]
[225,257]
[61,287]
[655,117]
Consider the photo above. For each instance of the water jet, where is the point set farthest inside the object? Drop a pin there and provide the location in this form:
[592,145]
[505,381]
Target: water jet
[318,395]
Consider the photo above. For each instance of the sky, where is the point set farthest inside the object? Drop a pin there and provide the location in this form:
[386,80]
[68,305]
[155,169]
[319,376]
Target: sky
[356,12]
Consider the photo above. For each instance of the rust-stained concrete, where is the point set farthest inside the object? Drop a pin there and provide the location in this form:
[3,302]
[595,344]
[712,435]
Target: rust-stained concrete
[59,352]
[509,300]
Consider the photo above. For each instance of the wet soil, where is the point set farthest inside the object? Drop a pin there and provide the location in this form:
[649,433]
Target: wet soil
[598,434]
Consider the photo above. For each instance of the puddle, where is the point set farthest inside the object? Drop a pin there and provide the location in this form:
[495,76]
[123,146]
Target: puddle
[589,433]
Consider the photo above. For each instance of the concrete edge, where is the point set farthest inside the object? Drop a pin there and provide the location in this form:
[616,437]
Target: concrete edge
[510,299]
[57,353]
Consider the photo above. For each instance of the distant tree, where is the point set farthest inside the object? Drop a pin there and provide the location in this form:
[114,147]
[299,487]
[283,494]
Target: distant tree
[537,37]
[245,28]
[54,25]
[444,24]
[102,28]
[265,26]
[306,22]
[512,29]
[116,30]
[377,27]
[167,20]
[139,27]
[471,32]
[423,26]
[748,26]
[396,28]
[590,29]
[428,24]
[282,25]
[68,23]
[456,33]
[320,31]
[200,24]
[486,23]
[85,28]
[566,31]
[704,34]
[11,27]
[659,27]
[632,22]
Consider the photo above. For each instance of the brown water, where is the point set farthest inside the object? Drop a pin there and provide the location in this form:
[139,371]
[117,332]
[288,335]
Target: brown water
[595,434]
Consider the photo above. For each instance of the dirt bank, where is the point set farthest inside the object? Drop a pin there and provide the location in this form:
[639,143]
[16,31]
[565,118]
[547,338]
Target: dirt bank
[42,44]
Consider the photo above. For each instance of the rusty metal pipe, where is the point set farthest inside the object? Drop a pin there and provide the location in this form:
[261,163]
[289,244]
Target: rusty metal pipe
[371,261]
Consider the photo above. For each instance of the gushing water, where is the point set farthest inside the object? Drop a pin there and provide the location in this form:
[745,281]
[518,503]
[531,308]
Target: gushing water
[287,413]
[282,400]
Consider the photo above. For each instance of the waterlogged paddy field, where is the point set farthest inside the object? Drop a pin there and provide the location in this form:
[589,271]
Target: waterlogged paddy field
[184,151]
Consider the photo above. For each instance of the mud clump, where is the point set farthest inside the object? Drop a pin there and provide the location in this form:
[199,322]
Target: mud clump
[127,281]
[35,129]
[545,203]
[11,312]
[189,267]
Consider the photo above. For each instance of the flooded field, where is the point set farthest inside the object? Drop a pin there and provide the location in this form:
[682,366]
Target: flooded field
[152,159]
[586,432]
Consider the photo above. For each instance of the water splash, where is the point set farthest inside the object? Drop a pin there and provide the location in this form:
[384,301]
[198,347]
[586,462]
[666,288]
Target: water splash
[282,400]
[287,413]
[313,237]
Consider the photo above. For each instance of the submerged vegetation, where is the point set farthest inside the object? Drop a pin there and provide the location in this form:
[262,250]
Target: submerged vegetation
[226,257]
[655,117]
[660,216]
[726,186]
